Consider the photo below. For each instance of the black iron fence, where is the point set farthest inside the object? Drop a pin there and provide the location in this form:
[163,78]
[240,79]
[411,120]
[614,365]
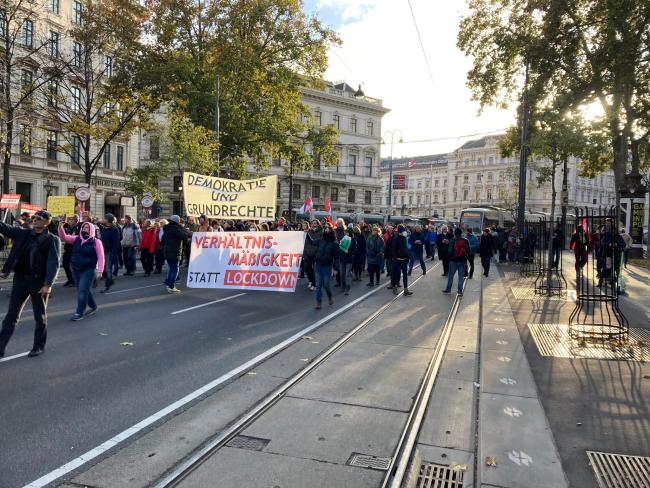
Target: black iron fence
[598,250]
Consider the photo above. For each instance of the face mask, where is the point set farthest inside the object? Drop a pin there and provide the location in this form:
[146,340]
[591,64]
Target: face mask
[404,234]
[85,235]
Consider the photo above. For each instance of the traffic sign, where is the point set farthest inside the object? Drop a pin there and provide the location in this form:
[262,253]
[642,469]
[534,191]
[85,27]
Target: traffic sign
[147,201]
[82,193]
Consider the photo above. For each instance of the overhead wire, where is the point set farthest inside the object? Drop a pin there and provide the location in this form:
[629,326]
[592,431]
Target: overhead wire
[424,53]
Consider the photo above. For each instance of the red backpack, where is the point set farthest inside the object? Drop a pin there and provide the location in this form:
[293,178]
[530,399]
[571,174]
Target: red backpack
[460,248]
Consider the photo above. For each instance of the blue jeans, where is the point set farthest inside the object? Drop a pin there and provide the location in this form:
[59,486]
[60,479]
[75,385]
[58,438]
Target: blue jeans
[110,261]
[172,273]
[398,266]
[323,276]
[84,280]
[129,259]
[417,254]
[453,267]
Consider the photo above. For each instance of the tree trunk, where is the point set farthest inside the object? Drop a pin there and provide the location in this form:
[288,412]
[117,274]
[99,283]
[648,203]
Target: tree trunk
[7,156]
[549,271]
[565,196]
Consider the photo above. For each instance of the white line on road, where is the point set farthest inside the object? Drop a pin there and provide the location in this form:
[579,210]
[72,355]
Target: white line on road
[209,303]
[131,289]
[122,436]
[16,356]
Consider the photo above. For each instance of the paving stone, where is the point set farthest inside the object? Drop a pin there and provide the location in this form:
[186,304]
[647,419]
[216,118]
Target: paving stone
[236,468]
[515,432]
[450,416]
[373,375]
[459,366]
[463,338]
[507,373]
[328,432]
[501,338]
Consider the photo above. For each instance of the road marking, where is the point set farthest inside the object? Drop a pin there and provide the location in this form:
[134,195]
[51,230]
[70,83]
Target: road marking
[504,359]
[513,412]
[143,424]
[508,381]
[209,303]
[520,458]
[16,356]
[131,289]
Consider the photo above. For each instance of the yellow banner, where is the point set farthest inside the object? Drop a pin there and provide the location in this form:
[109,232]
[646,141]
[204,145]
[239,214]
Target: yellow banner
[220,198]
[60,205]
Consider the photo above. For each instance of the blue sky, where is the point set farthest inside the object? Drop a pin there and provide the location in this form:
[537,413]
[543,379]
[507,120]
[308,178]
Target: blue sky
[332,14]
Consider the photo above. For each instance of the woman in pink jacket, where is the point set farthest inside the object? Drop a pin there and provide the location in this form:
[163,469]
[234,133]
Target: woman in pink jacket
[87,266]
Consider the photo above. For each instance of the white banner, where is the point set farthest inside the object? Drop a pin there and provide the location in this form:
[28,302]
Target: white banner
[267,261]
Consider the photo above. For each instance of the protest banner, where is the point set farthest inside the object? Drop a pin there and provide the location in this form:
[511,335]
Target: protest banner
[28,207]
[9,200]
[268,261]
[221,198]
[60,205]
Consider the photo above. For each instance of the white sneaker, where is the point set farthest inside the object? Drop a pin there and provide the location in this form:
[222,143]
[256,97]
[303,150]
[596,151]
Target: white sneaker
[173,290]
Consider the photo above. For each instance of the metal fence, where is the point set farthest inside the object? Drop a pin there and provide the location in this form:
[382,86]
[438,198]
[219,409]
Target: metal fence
[598,250]
[549,279]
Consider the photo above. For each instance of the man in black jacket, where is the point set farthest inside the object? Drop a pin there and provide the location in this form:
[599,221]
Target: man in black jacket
[486,249]
[35,259]
[400,259]
[174,237]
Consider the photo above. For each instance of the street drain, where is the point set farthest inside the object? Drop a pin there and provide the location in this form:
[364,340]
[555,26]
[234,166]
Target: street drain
[250,443]
[367,461]
[439,476]
[554,340]
[620,471]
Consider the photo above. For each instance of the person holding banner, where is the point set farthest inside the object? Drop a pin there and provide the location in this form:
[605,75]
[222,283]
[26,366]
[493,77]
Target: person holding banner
[35,259]
[87,266]
[323,261]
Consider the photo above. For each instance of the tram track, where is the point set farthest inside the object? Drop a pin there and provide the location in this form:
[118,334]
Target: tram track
[405,447]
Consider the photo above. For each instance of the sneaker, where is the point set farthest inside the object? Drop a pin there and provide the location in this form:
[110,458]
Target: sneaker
[77,317]
[91,311]
[407,293]
[390,287]
[395,292]
[330,301]
[318,306]
[460,293]
[106,290]
[37,351]
[370,284]
[173,290]
[446,291]
[67,284]
[2,353]
[424,272]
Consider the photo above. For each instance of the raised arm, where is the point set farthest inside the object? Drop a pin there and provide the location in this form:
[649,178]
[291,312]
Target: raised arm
[66,238]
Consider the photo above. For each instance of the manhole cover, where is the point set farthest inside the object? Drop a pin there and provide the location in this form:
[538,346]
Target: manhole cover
[368,461]
[554,340]
[439,476]
[620,471]
[250,443]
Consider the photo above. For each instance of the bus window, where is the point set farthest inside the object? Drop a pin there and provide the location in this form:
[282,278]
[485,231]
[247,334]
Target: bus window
[471,219]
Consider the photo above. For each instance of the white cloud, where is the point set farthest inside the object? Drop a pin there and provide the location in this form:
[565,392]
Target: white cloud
[382,51]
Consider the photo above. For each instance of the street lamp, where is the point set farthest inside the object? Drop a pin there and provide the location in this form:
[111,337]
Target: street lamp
[390,167]
[49,188]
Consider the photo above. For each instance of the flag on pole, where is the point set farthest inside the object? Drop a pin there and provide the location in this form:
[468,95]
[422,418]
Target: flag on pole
[306,207]
[411,163]
[328,209]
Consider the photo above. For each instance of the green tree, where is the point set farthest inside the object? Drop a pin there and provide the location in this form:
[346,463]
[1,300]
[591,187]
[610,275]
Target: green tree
[103,93]
[580,51]
[263,52]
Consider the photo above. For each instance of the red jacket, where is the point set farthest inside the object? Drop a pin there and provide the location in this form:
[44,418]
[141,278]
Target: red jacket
[149,238]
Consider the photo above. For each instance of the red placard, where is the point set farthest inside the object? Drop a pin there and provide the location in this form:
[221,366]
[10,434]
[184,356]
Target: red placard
[28,207]
[9,200]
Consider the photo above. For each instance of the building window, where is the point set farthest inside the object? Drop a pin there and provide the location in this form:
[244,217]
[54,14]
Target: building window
[352,159]
[336,119]
[76,12]
[480,162]
[276,162]
[370,128]
[335,194]
[367,197]
[368,167]
[52,143]
[410,199]
[419,184]
[177,184]
[120,158]
[318,118]
[403,199]
[296,190]
[490,160]
[54,6]
[353,124]
[455,195]
[76,54]
[52,93]
[466,179]
[25,140]
[26,79]
[466,162]
[479,177]
[76,99]
[75,157]
[435,183]
[108,66]
[489,177]
[489,193]
[154,147]
[53,44]
[419,199]
[455,180]
[107,156]
[28,33]
[25,191]
[315,191]
[351,195]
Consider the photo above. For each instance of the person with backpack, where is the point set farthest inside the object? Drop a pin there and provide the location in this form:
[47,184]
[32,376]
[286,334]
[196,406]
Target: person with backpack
[323,261]
[87,266]
[486,249]
[473,247]
[399,252]
[35,258]
[458,255]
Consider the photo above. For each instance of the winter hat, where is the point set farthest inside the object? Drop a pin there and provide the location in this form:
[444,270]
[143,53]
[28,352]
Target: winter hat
[457,231]
[110,218]
[175,218]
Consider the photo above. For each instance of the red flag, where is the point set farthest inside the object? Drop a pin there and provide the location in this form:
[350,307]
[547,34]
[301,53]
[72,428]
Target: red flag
[306,207]
[328,206]
[411,163]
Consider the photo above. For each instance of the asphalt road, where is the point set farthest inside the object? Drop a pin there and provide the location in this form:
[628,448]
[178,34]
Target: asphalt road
[91,384]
